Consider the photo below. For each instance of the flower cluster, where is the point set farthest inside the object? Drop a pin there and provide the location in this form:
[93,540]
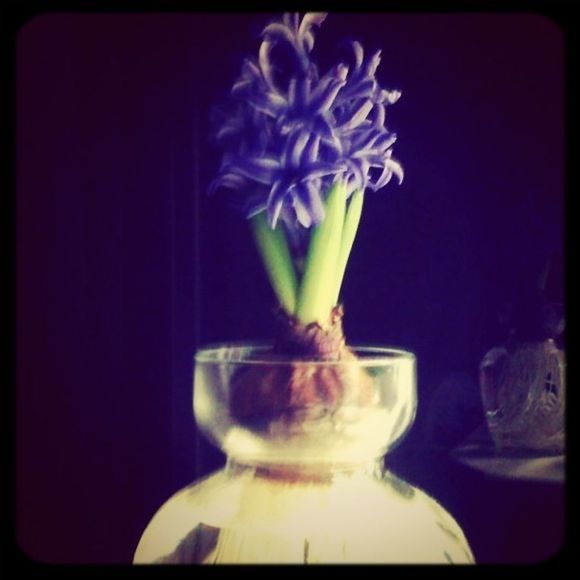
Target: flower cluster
[290,133]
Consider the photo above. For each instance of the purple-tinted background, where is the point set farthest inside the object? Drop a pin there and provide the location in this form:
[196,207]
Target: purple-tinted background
[125,267]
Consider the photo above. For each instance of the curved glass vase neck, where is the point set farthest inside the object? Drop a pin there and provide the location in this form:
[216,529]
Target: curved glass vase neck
[309,473]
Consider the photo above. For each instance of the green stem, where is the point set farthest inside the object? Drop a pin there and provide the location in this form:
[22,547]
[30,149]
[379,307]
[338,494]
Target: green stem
[351,222]
[277,261]
[316,296]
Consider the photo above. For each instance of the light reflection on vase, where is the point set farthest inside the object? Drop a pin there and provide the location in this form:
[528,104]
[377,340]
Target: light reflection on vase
[304,485]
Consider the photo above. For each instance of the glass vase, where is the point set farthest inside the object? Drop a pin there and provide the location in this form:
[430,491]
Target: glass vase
[523,389]
[304,480]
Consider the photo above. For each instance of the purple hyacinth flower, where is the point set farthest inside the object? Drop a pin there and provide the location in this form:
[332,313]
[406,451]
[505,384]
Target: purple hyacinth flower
[288,138]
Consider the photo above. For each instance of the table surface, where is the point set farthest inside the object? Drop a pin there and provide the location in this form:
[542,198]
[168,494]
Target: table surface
[478,452]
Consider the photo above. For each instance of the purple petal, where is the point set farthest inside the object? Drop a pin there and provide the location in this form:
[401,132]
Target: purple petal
[279,31]
[391,168]
[227,180]
[397,169]
[390,96]
[341,71]
[320,169]
[251,70]
[358,53]
[309,20]
[383,180]
[308,204]
[301,208]
[385,140]
[374,160]
[308,41]
[292,20]
[275,201]
[323,98]
[254,208]
[333,147]
[261,170]
[264,61]
[292,92]
[275,99]
[364,167]
[291,228]
[228,129]
[358,89]
[362,139]
[356,169]
[373,64]
[269,103]
[379,115]
[311,150]
[305,33]
[241,86]
[323,126]
[295,147]
[303,93]
[285,126]
[376,146]
[358,115]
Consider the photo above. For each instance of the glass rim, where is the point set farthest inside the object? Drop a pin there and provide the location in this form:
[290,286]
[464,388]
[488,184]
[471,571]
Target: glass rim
[369,355]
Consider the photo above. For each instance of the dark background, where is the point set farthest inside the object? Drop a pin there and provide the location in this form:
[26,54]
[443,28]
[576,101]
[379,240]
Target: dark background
[125,266]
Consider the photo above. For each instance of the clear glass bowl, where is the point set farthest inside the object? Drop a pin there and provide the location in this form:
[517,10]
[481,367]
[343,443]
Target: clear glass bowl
[352,428]
[304,481]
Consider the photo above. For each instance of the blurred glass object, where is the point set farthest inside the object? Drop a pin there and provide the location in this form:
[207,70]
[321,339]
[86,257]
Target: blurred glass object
[523,391]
